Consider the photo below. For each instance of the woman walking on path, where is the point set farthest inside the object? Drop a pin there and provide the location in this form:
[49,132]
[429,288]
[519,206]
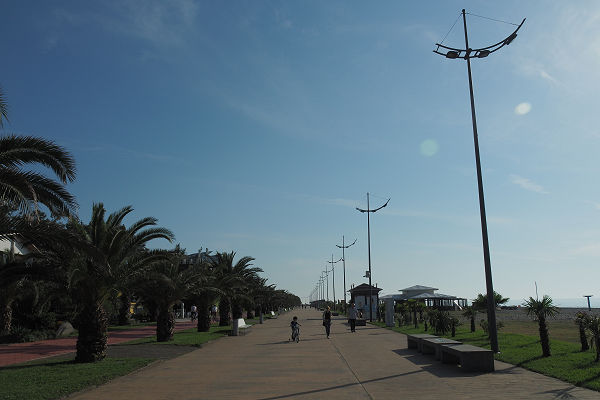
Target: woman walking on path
[327,320]
[352,317]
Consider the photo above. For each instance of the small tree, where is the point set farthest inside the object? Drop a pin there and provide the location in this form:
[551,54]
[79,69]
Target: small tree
[481,302]
[581,320]
[470,312]
[454,322]
[540,310]
[593,325]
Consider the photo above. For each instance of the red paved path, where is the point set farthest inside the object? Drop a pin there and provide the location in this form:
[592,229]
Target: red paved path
[21,352]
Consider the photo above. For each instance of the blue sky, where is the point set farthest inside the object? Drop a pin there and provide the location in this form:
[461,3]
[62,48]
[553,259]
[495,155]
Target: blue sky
[259,126]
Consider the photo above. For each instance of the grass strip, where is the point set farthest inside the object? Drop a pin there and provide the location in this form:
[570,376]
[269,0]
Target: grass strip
[57,377]
[567,363]
[188,337]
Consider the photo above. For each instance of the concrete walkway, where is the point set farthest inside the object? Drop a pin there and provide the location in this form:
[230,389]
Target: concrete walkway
[373,363]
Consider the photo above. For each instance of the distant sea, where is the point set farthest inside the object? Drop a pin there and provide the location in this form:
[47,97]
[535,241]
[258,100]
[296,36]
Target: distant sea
[570,303]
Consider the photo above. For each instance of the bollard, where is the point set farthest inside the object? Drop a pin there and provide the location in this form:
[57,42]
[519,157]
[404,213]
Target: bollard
[389,312]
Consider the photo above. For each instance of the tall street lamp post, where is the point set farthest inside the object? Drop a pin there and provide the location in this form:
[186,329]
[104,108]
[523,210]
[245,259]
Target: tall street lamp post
[344,247]
[467,53]
[333,277]
[369,211]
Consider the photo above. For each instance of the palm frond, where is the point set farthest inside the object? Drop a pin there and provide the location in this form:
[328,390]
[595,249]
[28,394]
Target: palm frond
[19,150]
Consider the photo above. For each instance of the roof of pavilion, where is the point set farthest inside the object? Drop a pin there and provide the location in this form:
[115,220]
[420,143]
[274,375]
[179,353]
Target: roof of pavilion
[418,287]
[422,296]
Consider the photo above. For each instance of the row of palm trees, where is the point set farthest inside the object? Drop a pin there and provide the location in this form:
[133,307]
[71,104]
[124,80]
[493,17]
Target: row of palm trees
[99,260]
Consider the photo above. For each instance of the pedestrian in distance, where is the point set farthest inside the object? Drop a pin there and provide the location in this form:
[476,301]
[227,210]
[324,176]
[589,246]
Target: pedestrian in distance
[352,313]
[194,313]
[327,321]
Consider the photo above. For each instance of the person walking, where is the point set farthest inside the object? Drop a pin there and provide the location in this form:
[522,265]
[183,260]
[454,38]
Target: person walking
[352,313]
[327,321]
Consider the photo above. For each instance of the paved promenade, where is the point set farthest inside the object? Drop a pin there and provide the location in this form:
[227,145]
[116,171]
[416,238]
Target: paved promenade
[22,352]
[373,363]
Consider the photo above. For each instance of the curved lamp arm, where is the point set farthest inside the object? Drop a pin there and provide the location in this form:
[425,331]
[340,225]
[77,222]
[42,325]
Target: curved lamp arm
[477,53]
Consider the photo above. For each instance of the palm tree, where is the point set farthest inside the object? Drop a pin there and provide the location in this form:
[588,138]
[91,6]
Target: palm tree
[481,303]
[581,319]
[454,322]
[209,292]
[113,254]
[22,190]
[233,279]
[593,325]
[471,313]
[540,310]
[3,109]
[166,283]
[41,240]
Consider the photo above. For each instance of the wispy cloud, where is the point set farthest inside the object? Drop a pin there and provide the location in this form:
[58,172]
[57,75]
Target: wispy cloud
[155,22]
[571,48]
[593,203]
[527,184]
[349,203]
[590,249]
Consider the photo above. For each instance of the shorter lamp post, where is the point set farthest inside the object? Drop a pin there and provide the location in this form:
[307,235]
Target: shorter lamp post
[344,247]
[588,299]
[369,211]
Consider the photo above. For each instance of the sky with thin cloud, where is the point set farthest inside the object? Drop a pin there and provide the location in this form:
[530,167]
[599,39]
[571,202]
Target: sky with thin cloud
[259,127]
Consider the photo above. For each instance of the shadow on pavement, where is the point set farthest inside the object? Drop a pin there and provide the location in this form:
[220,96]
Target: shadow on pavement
[562,393]
[339,386]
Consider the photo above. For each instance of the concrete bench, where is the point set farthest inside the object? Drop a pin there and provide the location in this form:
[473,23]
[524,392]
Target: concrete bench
[273,315]
[470,358]
[241,326]
[434,346]
[414,340]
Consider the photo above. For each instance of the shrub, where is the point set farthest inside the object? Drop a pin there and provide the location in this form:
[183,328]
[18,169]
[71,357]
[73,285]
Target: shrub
[484,325]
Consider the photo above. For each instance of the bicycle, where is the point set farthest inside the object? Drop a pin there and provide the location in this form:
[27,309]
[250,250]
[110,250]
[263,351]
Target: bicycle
[296,334]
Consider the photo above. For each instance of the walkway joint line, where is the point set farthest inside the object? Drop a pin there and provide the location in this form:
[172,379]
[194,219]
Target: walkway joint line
[351,370]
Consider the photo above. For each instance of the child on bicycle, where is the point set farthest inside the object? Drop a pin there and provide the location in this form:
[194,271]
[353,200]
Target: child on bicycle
[295,329]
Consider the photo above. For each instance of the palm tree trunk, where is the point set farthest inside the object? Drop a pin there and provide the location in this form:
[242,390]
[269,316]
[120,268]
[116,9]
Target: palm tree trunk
[92,324]
[124,308]
[203,314]
[544,339]
[5,318]
[224,306]
[165,324]
[415,317]
[472,323]
[236,309]
[583,338]
[597,339]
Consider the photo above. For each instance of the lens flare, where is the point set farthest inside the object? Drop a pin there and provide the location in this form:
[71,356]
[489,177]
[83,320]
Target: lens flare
[522,108]
[429,147]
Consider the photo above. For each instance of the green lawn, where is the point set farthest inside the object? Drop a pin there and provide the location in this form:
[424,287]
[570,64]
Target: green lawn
[58,377]
[567,362]
[188,337]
